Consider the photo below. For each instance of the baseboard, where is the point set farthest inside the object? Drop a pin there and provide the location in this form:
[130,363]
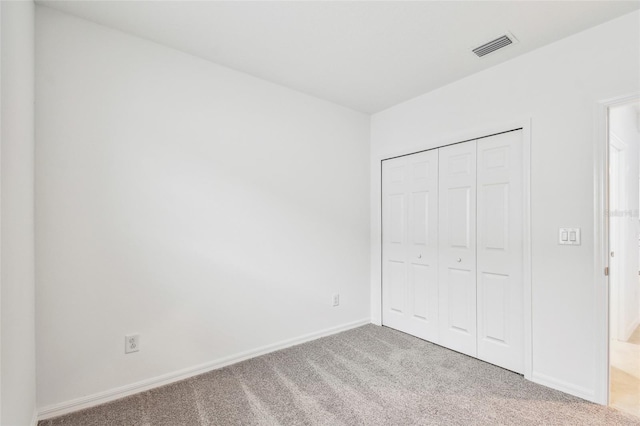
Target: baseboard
[562,386]
[165,379]
[34,418]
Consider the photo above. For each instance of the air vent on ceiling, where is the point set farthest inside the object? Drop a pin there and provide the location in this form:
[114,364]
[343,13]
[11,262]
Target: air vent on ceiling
[502,41]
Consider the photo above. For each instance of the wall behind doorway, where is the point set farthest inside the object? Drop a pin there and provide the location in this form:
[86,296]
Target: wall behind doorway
[624,127]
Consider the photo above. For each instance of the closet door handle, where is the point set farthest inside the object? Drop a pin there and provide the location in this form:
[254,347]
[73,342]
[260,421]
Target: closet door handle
[459,260]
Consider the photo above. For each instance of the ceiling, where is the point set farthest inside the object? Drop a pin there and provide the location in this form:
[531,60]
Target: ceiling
[364,55]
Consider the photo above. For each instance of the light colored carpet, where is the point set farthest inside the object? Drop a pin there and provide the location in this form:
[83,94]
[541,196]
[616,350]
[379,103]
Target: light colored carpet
[367,376]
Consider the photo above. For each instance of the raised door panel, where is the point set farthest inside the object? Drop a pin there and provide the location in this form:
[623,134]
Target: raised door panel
[457,246]
[499,256]
[397,284]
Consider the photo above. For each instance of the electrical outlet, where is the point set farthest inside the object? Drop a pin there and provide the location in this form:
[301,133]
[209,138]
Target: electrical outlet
[336,299]
[131,343]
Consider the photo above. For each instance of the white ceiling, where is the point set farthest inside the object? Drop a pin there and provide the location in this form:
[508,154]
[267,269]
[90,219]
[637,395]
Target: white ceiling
[364,55]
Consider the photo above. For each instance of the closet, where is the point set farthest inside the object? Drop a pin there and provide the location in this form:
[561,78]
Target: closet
[452,247]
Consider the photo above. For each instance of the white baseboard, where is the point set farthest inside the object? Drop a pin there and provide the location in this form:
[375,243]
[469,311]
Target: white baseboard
[630,329]
[34,418]
[165,379]
[562,386]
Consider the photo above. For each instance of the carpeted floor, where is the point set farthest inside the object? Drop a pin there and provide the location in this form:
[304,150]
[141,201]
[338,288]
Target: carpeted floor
[367,376]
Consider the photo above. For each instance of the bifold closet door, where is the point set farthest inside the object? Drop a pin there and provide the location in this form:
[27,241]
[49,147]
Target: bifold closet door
[457,247]
[410,244]
[499,250]
[452,241]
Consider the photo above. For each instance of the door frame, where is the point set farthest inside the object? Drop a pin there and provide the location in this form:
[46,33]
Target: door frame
[601,240]
[616,145]
[454,138]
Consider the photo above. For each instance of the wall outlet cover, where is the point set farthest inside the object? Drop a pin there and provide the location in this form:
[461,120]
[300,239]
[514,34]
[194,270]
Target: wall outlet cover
[131,343]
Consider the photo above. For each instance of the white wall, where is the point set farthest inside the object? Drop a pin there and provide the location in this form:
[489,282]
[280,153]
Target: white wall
[624,128]
[558,87]
[17,338]
[209,211]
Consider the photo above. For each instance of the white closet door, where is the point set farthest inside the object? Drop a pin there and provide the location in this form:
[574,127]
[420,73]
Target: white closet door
[457,247]
[410,244]
[500,239]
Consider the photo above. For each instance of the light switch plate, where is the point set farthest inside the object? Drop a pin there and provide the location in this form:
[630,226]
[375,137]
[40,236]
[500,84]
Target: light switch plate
[569,237]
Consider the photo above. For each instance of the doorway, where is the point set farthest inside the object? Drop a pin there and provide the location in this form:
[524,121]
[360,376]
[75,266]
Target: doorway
[624,255]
